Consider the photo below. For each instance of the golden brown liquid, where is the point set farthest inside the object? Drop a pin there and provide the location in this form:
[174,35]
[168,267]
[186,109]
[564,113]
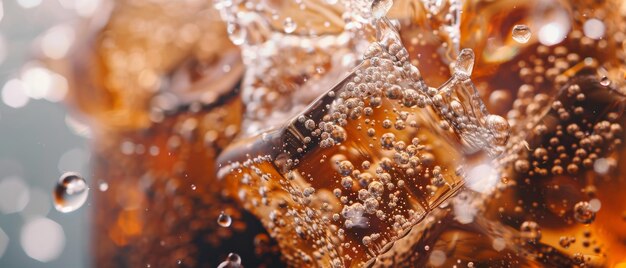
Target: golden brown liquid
[360,162]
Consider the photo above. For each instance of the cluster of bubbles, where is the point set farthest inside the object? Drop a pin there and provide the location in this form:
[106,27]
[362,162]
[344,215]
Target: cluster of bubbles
[369,209]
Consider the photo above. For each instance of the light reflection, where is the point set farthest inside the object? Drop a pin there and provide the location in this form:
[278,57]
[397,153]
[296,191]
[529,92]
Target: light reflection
[77,127]
[57,41]
[594,28]
[29,3]
[42,239]
[39,82]
[86,8]
[14,195]
[482,178]
[552,33]
[13,94]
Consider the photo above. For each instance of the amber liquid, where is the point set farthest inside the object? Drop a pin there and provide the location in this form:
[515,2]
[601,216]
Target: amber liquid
[355,176]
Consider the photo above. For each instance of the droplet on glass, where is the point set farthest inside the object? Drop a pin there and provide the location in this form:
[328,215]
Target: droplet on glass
[381,7]
[224,220]
[521,33]
[70,192]
[290,25]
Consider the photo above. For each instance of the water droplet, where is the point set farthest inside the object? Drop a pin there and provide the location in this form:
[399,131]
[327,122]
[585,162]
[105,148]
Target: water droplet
[583,212]
[290,25]
[464,63]
[193,187]
[605,81]
[521,33]
[70,192]
[381,7]
[224,220]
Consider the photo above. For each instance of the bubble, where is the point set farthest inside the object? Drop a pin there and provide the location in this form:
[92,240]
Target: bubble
[387,140]
[595,204]
[522,166]
[601,166]
[236,33]
[499,127]
[381,7]
[224,220]
[521,33]
[103,186]
[565,241]
[530,231]
[232,261]
[605,81]
[345,167]
[498,244]
[232,257]
[583,212]
[290,25]
[70,192]
[465,63]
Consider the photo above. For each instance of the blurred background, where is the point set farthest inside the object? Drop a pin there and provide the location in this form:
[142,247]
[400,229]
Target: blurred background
[39,140]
